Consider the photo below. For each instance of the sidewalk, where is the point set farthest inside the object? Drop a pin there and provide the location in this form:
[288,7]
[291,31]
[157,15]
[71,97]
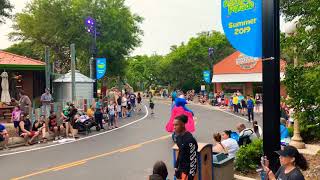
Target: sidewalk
[16,142]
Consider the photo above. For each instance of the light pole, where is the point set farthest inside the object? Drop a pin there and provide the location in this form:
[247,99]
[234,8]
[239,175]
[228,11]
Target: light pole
[91,28]
[211,59]
[296,140]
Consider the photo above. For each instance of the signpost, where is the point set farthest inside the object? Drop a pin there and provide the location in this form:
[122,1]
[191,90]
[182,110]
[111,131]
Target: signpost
[244,22]
[47,69]
[101,67]
[271,81]
[73,73]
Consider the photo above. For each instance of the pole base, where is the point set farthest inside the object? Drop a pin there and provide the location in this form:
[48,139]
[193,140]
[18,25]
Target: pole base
[299,144]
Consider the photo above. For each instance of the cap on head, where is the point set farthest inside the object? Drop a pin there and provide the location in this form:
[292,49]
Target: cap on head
[288,151]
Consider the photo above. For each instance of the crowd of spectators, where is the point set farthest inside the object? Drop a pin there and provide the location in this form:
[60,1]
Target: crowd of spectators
[103,114]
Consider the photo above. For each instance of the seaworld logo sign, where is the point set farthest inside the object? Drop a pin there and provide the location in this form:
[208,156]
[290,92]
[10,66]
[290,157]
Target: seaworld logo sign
[246,62]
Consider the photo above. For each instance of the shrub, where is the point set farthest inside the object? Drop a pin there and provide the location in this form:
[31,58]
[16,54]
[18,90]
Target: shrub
[290,130]
[248,157]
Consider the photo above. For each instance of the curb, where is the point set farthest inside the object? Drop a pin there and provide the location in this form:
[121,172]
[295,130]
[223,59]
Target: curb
[238,177]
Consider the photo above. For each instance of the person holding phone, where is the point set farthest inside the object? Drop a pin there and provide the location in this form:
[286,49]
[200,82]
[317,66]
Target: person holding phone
[292,162]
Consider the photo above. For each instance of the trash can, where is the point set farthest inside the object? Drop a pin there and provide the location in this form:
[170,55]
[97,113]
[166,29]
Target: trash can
[204,157]
[223,167]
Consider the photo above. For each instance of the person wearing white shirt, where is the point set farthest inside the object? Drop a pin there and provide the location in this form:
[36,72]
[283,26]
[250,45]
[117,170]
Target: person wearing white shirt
[230,144]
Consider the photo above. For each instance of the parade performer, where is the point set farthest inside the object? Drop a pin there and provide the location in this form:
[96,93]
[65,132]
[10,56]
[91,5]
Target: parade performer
[177,109]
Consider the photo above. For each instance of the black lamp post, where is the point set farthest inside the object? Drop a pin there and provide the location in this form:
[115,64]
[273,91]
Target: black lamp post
[211,59]
[92,30]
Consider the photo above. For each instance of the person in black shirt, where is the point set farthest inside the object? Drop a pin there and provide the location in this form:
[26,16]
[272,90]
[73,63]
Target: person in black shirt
[291,163]
[98,116]
[139,99]
[186,164]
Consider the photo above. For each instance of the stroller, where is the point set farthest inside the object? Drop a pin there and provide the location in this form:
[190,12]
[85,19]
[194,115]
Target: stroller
[84,123]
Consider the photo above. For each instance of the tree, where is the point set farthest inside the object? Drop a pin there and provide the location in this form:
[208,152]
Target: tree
[302,81]
[182,68]
[307,37]
[27,49]
[5,9]
[58,23]
[185,64]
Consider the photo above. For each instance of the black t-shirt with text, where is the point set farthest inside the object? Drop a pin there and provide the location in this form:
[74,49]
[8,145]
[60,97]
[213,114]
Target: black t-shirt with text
[187,156]
[295,174]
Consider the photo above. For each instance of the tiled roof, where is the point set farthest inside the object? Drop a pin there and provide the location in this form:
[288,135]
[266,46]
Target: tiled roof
[229,65]
[7,58]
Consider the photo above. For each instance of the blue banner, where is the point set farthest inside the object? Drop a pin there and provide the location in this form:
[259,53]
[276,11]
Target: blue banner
[101,67]
[242,24]
[207,76]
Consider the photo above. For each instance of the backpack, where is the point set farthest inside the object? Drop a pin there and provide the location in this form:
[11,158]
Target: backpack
[245,139]
[234,136]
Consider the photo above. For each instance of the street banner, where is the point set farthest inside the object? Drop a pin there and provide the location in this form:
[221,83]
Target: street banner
[206,76]
[101,67]
[242,25]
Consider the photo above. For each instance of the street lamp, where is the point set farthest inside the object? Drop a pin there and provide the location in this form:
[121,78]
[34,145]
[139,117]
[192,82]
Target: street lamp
[91,25]
[296,140]
[211,59]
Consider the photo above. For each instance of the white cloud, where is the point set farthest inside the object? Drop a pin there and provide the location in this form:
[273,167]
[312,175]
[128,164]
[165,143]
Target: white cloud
[5,29]
[166,22]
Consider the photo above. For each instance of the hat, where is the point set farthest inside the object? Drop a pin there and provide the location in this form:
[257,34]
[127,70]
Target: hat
[288,151]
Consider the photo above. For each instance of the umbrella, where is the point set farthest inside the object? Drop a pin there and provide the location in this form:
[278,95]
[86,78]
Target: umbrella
[5,95]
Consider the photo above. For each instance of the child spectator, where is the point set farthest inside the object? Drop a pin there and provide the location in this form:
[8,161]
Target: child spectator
[15,117]
[159,172]
[111,113]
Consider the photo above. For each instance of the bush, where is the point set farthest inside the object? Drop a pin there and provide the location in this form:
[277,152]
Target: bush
[248,157]
[290,130]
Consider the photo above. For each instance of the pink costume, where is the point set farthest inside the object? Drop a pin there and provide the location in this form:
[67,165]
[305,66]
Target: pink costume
[177,111]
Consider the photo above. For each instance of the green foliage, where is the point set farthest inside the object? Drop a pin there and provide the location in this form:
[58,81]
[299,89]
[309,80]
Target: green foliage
[308,42]
[303,87]
[5,9]
[27,49]
[303,82]
[182,68]
[58,23]
[290,130]
[248,157]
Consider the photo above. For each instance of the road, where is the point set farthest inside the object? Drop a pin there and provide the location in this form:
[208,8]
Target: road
[127,153]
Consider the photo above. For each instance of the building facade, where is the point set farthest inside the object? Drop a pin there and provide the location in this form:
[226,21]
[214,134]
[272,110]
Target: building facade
[242,73]
[24,73]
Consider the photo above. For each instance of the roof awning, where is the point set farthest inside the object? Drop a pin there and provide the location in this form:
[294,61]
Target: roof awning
[236,78]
